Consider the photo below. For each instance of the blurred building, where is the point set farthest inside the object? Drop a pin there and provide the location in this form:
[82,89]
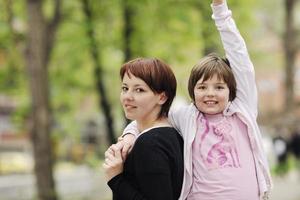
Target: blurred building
[15,149]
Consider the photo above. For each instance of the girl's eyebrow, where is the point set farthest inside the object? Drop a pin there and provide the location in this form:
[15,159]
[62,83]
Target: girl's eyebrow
[202,83]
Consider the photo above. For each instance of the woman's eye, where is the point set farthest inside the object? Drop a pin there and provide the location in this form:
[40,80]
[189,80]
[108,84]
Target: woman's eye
[139,90]
[124,89]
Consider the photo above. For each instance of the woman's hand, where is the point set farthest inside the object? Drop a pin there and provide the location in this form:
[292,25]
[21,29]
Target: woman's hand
[125,143]
[113,164]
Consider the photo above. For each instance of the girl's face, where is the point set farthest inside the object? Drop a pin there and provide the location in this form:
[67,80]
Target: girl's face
[139,101]
[212,95]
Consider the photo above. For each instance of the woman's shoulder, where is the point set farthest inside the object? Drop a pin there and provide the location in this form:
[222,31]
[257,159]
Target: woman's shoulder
[157,135]
[160,132]
[161,140]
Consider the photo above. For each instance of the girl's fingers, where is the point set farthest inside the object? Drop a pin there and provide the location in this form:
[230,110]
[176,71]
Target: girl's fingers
[120,138]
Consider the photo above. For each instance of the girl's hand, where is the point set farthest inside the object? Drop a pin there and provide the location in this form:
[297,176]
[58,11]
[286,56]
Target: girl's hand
[113,164]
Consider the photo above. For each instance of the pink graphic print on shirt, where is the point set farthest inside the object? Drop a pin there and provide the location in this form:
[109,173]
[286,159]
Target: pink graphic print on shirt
[222,151]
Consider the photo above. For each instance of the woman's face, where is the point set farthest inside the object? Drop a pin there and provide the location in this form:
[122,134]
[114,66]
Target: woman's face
[138,100]
[212,95]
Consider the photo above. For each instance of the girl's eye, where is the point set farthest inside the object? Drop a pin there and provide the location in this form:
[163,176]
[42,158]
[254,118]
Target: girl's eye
[220,87]
[201,87]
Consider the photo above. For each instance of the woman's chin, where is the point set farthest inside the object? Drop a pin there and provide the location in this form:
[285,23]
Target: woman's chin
[130,117]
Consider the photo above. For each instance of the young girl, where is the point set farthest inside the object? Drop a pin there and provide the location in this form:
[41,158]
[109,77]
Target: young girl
[154,168]
[223,153]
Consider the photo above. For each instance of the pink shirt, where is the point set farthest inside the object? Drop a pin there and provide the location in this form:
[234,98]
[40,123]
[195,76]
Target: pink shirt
[223,163]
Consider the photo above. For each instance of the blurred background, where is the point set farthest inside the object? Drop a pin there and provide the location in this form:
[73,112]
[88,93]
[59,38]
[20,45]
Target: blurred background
[59,84]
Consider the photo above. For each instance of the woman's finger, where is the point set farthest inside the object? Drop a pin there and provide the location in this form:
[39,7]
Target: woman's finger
[115,147]
[125,150]
[110,157]
[108,152]
[118,154]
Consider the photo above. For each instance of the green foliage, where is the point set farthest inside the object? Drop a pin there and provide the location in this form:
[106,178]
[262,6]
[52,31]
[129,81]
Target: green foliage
[177,31]
[11,38]
[284,168]
[92,160]
[12,71]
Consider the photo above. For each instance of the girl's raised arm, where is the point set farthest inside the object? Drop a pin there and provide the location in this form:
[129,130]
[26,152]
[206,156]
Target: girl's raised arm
[217,2]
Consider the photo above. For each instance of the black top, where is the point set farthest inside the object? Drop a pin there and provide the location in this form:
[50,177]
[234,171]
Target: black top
[154,168]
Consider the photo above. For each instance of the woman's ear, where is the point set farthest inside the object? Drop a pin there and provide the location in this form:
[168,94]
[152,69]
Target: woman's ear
[162,98]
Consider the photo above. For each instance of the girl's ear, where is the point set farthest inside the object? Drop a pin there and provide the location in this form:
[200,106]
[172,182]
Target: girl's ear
[162,98]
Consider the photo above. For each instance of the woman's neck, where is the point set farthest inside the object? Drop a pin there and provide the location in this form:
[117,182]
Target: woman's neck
[143,125]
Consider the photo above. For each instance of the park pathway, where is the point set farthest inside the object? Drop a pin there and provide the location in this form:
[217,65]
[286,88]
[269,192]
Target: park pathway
[83,183]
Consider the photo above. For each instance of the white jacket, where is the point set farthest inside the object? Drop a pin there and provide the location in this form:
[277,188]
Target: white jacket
[244,105]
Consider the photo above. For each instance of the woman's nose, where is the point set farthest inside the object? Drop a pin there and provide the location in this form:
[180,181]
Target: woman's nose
[128,95]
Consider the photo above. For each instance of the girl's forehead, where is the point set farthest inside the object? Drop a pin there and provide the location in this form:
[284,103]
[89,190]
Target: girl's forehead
[213,77]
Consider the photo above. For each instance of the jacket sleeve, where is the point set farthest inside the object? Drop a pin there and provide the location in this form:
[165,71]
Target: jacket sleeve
[122,189]
[131,128]
[176,118]
[153,173]
[237,54]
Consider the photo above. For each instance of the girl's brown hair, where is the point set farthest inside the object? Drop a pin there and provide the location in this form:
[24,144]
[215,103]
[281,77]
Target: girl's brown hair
[208,67]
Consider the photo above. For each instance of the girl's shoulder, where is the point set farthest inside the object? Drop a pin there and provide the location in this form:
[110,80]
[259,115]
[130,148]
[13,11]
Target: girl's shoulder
[185,109]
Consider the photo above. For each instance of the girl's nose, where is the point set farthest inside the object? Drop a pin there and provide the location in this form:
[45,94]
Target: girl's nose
[210,92]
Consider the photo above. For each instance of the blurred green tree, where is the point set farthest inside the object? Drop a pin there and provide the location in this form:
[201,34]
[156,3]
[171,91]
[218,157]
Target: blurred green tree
[98,72]
[41,35]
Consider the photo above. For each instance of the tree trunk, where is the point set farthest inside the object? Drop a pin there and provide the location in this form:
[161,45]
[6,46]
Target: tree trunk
[127,35]
[39,45]
[104,103]
[290,50]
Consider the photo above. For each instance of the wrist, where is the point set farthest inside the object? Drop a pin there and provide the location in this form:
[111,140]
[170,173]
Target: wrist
[111,173]
[217,2]
[109,180]
[129,134]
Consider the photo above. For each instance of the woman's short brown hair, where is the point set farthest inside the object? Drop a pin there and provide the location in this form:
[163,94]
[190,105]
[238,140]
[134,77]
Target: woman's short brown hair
[157,75]
[209,66]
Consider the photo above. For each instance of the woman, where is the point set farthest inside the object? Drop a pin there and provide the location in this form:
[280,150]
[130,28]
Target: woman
[154,168]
